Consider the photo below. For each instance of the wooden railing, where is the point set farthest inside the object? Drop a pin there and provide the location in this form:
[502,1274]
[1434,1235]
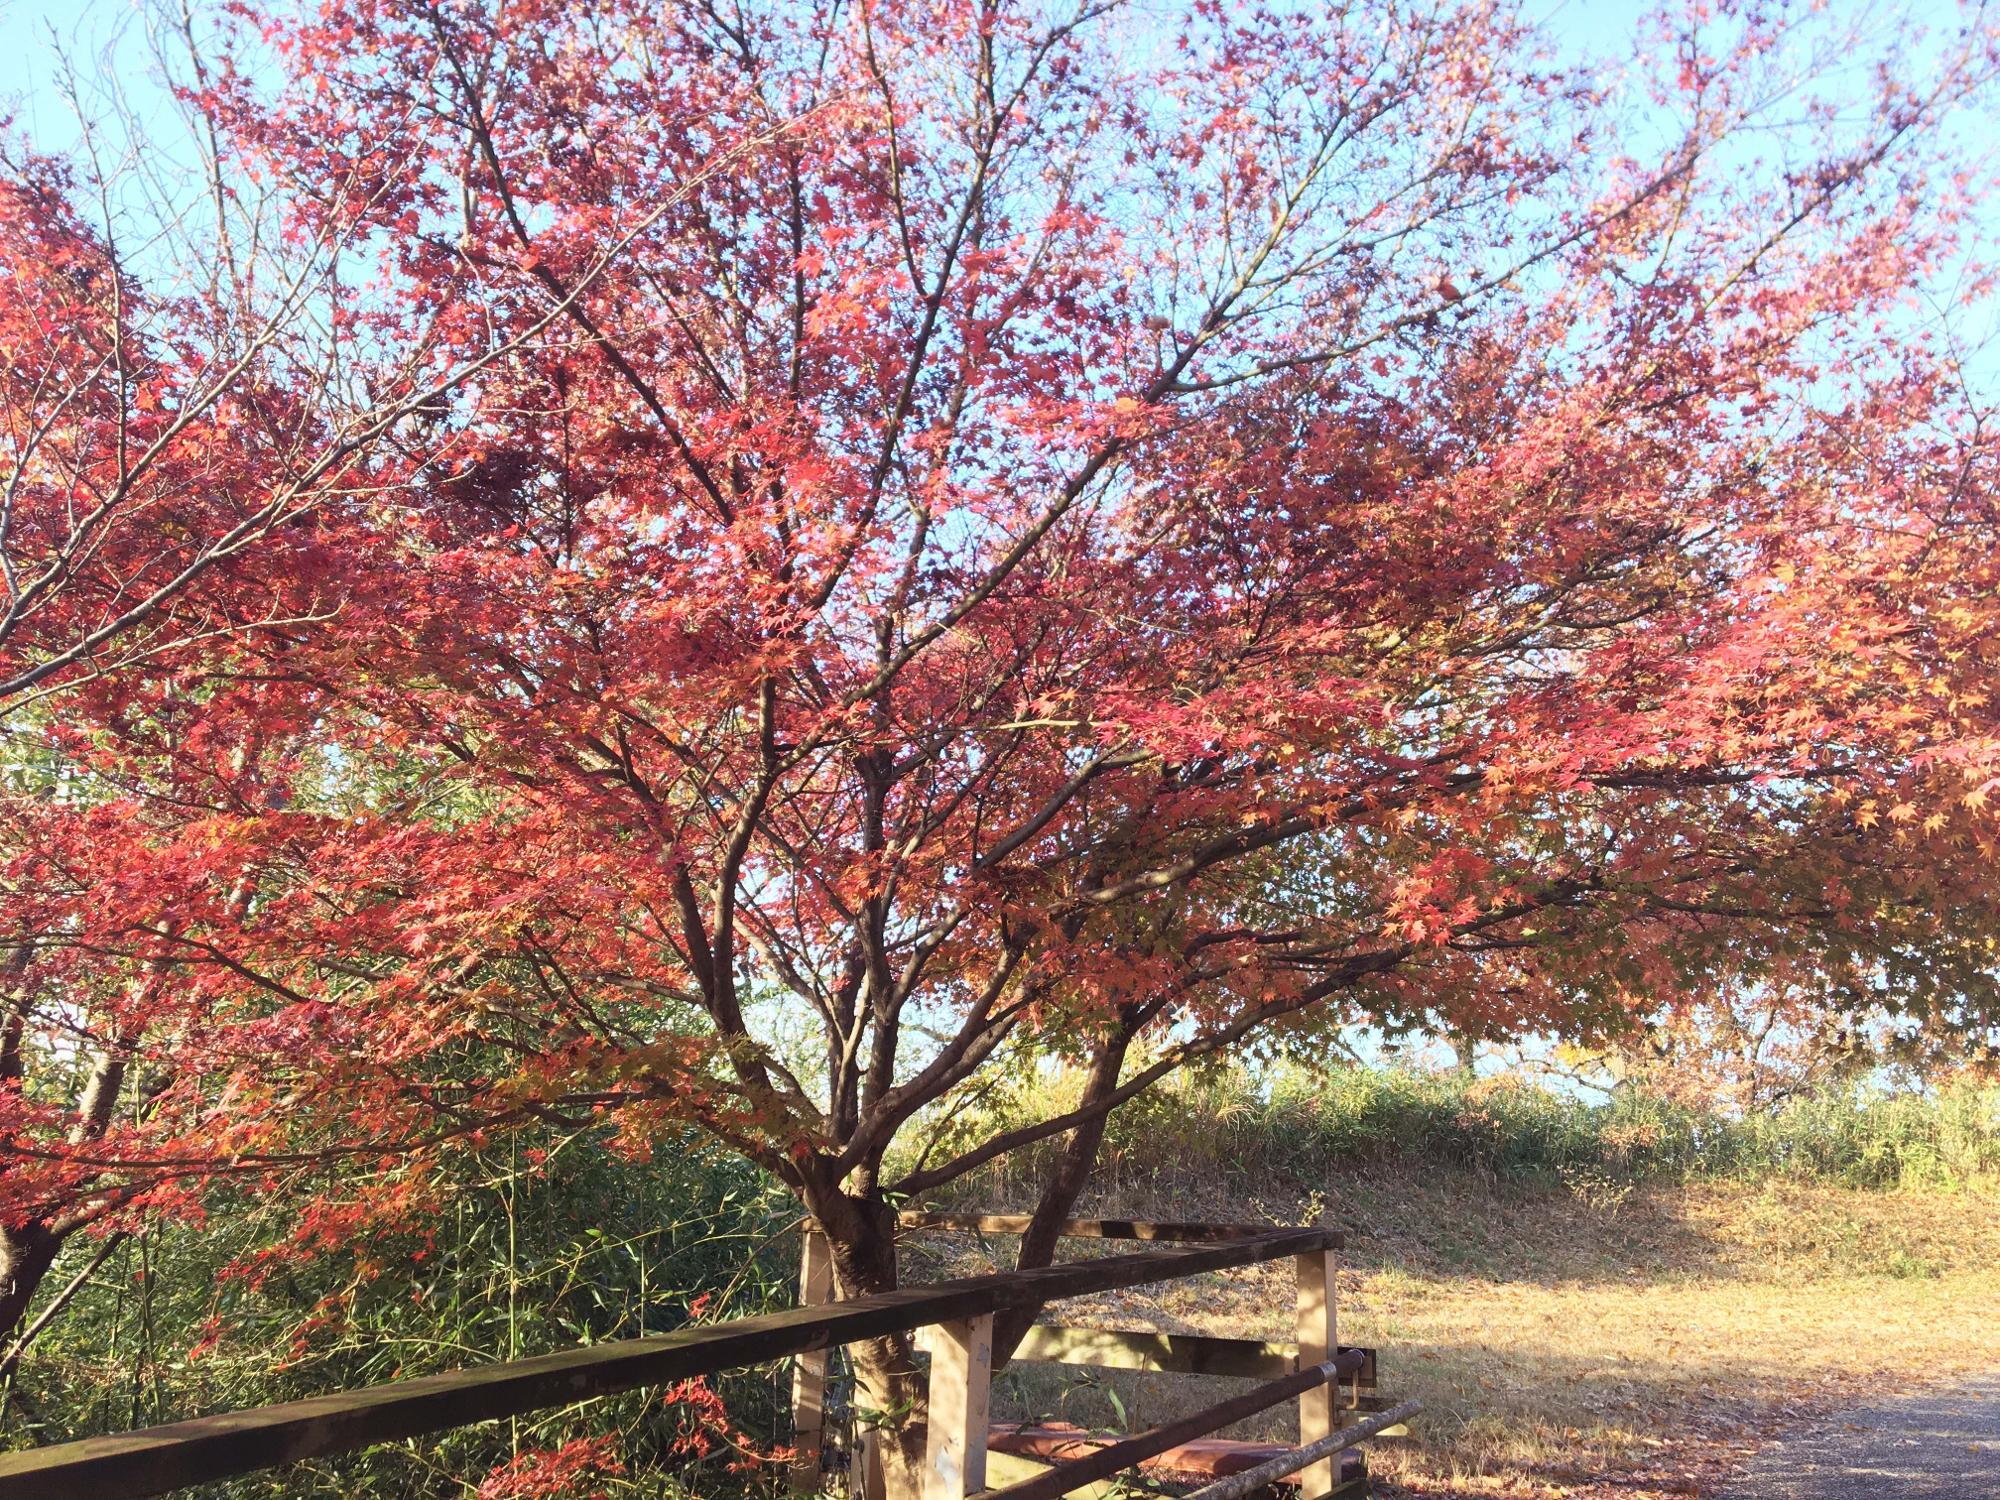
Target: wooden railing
[956,1317]
[1309,1369]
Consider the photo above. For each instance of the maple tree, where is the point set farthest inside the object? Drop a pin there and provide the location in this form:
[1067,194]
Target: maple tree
[804,557]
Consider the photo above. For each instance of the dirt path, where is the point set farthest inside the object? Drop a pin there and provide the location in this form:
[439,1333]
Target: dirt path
[1942,1445]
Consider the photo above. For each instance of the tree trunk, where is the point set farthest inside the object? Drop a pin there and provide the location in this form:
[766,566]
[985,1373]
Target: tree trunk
[889,1381]
[862,1234]
[28,1251]
[1059,1194]
[26,1254]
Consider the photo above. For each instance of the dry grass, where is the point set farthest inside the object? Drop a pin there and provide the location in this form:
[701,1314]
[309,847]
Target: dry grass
[1558,1336]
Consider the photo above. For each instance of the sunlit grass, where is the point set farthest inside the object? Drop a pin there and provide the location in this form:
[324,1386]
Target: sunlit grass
[1557,1334]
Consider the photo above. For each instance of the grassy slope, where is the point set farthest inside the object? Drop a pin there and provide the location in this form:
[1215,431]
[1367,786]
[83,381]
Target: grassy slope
[1554,1337]
[1562,1331]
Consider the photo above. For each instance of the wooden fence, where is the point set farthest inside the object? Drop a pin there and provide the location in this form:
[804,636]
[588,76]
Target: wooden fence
[954,1320]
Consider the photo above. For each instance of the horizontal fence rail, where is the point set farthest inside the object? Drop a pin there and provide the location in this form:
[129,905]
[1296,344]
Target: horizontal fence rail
[155,1460]
[1179,1353]
[1176,1231]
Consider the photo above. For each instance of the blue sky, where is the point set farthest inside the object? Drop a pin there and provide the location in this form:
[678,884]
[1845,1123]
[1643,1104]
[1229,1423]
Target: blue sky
[30,31]
[108,39]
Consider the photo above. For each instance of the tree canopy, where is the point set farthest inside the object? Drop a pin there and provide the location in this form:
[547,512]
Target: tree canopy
[749,568]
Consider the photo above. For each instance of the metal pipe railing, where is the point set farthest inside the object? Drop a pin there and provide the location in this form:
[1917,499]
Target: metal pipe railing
[1250,1481]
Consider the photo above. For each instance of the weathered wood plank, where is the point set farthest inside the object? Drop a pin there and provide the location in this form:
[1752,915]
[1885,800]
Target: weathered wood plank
[1318,1338]
[809,1369]
[155,1460]
[1139,1349]
[1168,1230]
[1177,1353]
[1367,1405]
[960,1386]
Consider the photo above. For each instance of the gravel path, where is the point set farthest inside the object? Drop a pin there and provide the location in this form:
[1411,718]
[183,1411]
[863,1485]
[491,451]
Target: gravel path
[1938,1446]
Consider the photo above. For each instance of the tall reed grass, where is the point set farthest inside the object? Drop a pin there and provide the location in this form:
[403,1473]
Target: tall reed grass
[1242,1130]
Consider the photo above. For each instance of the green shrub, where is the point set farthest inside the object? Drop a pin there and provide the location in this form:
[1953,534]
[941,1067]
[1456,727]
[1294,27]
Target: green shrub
[541,1244]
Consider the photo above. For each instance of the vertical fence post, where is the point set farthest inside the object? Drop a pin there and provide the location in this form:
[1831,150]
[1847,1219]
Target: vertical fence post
[809,1370]
[961,1374]
[868,1481]
[1319,1338]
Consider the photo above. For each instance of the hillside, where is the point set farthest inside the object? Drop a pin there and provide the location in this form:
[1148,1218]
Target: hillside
[1584,1331]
